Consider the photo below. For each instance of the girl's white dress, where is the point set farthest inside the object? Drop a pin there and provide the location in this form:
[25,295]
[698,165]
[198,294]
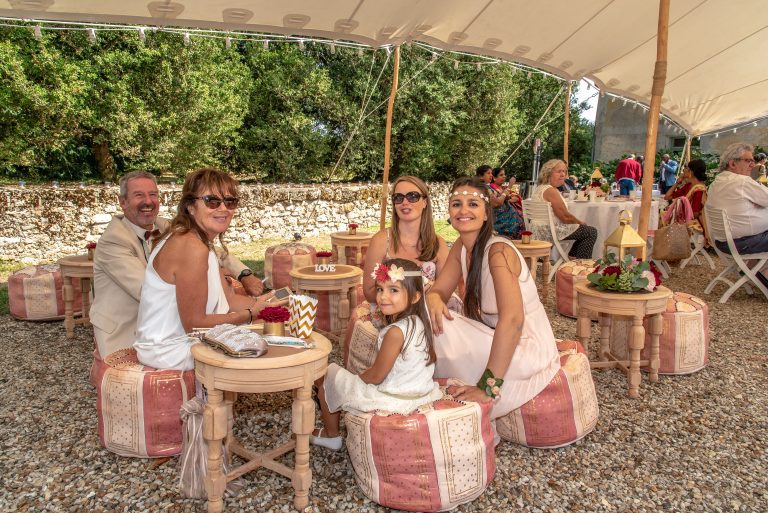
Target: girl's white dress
[408,385]
[161,341]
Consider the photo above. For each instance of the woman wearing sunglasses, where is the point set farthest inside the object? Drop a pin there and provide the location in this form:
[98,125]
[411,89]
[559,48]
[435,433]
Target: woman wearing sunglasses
[184,287]
[411,236]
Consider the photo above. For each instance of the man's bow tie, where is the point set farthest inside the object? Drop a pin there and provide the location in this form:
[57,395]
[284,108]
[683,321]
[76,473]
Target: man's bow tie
[148,234]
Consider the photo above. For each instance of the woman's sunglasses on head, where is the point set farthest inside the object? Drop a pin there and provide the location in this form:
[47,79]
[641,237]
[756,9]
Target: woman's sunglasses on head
[214,202]
[412,197]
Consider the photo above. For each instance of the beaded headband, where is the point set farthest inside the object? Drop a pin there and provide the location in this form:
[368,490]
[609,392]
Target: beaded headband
[465,193]
[383,273]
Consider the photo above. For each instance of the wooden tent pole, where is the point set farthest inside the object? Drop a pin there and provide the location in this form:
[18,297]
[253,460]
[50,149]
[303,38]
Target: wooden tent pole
[659,78]
[688,143]
[387,137]
[566,128]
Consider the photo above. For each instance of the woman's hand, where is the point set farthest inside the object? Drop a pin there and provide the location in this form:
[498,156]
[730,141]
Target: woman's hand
[265,300]
[437,310]
[468,393]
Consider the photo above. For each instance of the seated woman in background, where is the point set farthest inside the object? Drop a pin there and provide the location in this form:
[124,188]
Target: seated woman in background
[692,185]
[508,221]
[567,226]
[411,236]
[184,287]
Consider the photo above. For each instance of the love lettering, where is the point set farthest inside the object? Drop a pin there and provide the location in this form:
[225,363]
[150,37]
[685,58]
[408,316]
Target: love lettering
[325,268]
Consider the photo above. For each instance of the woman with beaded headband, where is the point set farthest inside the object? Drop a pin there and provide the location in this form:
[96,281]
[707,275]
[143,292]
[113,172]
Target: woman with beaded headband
[411,236]
[503,340]
[400,379]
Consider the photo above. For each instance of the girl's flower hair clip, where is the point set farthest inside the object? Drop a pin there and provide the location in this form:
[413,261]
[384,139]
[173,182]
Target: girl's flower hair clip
[383,273]
[475,194]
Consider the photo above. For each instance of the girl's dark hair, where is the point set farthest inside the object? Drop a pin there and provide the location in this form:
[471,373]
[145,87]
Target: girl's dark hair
[699,169]
[215,181]
[496,171]
[474,290]
[413,285]
[481,170]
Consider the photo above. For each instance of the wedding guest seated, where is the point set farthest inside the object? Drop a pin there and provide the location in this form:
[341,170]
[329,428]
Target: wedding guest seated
[512,355]
[692,185]
[184,285]
[567,226]
[744,200]
[121,261]
[508,215]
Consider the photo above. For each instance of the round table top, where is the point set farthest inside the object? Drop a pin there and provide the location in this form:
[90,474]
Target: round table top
[584,287]
[341,271]
[276,357]
[75,261]
[357,237]
[534,244]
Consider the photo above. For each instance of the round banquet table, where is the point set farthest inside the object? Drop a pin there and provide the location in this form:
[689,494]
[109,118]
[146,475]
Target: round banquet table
[604,215]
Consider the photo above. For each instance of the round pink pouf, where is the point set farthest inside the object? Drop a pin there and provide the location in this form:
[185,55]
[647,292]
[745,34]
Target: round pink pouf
[34,293]
[280,259]
[566,278]
[684,340]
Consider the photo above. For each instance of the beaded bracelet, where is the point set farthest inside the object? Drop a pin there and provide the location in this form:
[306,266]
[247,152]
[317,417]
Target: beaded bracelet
[490,384]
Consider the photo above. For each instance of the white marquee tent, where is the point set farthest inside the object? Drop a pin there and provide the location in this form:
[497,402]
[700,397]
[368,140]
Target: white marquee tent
[716,73]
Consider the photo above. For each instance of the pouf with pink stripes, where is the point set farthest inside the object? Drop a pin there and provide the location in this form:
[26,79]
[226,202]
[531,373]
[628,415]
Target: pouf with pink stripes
[565,411]
[280,259]
[34,293]
[138,406]
[684,340]
[434,459]
[566,278]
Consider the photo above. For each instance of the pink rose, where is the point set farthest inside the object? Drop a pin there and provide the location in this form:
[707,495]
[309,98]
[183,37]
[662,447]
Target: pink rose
[490,382]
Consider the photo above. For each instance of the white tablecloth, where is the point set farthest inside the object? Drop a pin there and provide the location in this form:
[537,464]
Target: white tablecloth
[604,215]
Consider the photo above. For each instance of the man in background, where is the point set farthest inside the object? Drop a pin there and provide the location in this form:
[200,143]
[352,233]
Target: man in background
[667,173]
[628,173]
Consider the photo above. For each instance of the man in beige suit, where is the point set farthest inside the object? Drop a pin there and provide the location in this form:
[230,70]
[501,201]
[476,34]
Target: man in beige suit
[121,260]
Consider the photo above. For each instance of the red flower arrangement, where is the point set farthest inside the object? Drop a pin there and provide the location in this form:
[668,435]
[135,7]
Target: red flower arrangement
[526,232]
[352,226]
[274,314]
[323,254]
[90,245]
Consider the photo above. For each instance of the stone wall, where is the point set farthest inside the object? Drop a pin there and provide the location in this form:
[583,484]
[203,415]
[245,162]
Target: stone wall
[43,223]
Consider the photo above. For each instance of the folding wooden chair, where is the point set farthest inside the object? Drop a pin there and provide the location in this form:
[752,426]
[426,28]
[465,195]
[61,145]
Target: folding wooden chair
[540,213]
[743,272]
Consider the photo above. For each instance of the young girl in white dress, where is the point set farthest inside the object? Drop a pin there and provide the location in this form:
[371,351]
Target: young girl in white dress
[400,379]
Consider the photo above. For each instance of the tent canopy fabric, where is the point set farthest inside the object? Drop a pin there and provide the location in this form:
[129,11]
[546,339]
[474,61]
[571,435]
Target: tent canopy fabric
[716,76]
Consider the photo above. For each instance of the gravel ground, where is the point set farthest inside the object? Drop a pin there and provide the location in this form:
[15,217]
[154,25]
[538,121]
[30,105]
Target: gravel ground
[690,443]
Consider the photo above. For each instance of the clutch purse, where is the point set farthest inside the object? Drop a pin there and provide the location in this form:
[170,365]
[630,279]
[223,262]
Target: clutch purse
[236,341]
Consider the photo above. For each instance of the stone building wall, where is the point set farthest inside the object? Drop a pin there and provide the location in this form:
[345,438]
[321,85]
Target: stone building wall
[43,223]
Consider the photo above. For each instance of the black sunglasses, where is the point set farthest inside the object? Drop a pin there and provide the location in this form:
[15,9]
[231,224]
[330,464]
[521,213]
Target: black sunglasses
[214,202]
[412,197]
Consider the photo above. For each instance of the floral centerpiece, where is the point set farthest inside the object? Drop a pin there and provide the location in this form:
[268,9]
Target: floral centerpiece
[625,275]
[274,318]
[323,257]
[91,247]
[526,236]
[352,228]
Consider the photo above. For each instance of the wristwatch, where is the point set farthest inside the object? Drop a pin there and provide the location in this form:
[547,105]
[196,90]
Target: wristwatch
[245,272]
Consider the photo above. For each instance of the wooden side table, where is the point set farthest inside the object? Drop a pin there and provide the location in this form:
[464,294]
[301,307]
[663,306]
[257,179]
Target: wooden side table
[343,280]
[341,240]
[532,252]
[630,304]
[280,369]
[81,268]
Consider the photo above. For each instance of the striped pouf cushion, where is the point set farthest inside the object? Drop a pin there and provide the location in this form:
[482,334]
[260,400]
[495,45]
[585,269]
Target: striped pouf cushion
[566,278]
[138,406]
[34,293]
[434,459]
[280,259]
[684,340]
[565,411]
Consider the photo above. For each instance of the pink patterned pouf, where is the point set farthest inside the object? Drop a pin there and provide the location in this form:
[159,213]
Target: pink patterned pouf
[565,411]
[434,459]
[566,278]
[34,293]
[684,340]
[138,406]
[280,259]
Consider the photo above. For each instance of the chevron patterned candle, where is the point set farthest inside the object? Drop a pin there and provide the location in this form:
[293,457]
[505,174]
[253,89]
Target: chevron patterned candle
[303,312]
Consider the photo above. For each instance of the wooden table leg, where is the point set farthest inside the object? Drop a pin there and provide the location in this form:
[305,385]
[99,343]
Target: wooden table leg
[68,295]
[656,327]
[583,328]
[303,417]
[359,256]
[345,302]
[532,267]
[229,401]
[545,269]
[636,342]
[605,335]
[85,289]
[214,430]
